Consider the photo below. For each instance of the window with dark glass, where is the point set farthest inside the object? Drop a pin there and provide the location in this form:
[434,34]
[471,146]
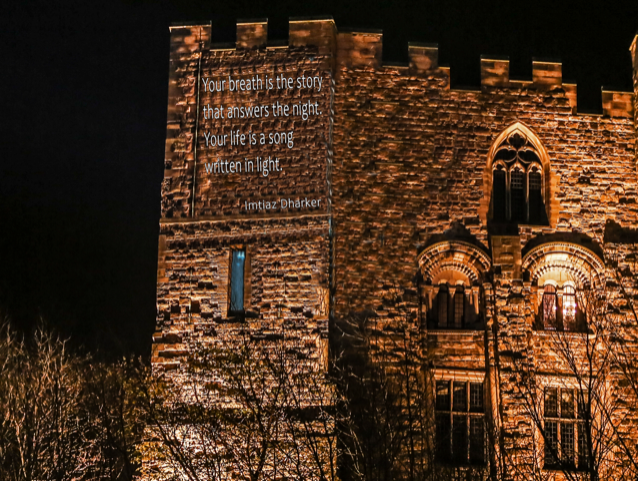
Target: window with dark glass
[559,309]
[443,421]
[237,281]
[460,428]
[536,208]
[443,301]
[564,429]
[517,183]
[517,193]
[459,306]
[499,197]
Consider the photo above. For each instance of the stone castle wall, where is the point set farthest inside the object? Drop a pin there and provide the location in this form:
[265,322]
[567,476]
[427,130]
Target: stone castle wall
[401,162]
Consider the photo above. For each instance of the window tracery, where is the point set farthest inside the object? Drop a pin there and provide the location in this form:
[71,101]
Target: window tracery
[517,182]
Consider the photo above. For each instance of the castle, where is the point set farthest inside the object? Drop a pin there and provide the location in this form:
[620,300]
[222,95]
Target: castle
[497,211]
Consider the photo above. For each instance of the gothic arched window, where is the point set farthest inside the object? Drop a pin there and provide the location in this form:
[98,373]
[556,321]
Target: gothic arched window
[517,182]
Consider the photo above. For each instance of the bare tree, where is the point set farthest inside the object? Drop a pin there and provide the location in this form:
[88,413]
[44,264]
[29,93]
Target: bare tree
[260,408]
[42,424]
[381,368]
[567,380]
[116,418]
[62,415]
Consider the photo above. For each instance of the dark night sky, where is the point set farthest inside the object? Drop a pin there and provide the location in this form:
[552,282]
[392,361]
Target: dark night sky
[83,104]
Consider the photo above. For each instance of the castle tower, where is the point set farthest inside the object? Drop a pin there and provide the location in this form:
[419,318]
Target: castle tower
[245,231]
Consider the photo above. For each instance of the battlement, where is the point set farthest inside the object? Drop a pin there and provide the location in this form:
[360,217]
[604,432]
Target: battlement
[363,49]
[423,56]
[617,104]
[252,33]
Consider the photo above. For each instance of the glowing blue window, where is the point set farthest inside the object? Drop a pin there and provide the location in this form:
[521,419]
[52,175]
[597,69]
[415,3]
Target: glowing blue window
[237,281]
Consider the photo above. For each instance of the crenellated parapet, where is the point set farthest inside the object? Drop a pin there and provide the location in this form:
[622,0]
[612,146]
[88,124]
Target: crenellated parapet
[316,31]
[359,49]
[362,49]
[252,33]
[423,57]
[495,71]
[618,104]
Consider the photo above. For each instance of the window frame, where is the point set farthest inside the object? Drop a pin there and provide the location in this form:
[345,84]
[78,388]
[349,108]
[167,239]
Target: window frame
[459,293]
[562,423]
[448,416]
[550,324]
[566,296]
[525,166]
[454,314]
[232,309]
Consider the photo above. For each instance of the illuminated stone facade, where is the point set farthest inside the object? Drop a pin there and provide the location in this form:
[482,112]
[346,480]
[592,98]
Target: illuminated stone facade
[498,207]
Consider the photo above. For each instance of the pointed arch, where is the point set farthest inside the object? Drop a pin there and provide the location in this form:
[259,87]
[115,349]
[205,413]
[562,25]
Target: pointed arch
[548,180]
[527,133]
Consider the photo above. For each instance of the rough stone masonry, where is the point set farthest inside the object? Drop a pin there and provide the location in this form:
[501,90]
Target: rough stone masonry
[483,206]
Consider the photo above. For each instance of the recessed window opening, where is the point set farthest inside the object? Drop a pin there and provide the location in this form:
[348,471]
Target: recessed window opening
[569,306]
[564,429]
[549,306]
[536,206]
[237,281]
[517,183]
[560,305]
[443,301]
[453,304]
[460,423]
[459,306]
[499,197]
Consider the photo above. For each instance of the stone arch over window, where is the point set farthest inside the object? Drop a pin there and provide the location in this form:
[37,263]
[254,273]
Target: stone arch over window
[561,273]
[452,273]
[517,180]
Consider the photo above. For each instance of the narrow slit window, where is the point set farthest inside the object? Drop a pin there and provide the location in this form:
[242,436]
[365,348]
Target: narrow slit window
[536,207]
[499,199]
[459,306]
[443,301]
[550,303]
[517,193]
[569,307]
[237,281]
